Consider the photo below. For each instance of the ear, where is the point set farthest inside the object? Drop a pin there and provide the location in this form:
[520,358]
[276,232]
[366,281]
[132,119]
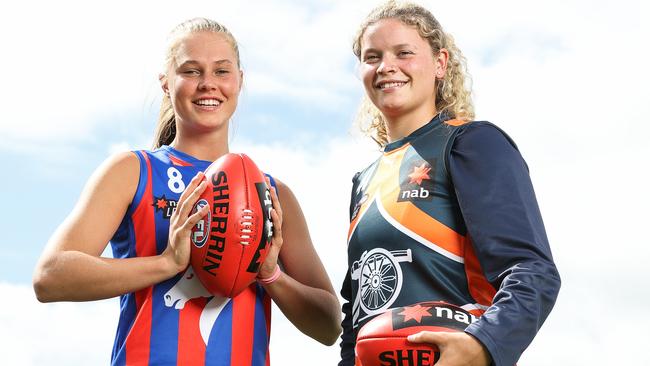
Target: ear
[241,79]
[164,83]
[441,63]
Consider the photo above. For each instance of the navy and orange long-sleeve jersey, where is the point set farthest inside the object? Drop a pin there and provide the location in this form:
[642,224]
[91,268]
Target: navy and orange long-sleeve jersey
[448,213]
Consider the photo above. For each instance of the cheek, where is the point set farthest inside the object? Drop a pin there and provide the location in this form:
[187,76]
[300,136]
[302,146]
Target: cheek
[231,87]
[424,69]
[367,75]
[179,87]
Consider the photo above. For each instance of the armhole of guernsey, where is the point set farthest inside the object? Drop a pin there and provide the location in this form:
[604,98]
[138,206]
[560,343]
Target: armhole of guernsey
[272,183]
[456,123]
[142,180]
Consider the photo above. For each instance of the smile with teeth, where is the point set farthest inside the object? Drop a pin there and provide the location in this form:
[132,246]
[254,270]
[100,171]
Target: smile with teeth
[391,84]
[207,102]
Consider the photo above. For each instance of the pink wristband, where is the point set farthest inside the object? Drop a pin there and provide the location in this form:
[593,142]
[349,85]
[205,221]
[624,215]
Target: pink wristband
[276,274]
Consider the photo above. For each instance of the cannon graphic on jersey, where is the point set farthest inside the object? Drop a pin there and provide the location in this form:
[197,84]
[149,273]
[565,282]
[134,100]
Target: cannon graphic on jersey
[231,242]
[382,341]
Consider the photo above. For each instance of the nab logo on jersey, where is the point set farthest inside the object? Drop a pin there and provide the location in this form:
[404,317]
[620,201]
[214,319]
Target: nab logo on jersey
[417,184]
[165,205]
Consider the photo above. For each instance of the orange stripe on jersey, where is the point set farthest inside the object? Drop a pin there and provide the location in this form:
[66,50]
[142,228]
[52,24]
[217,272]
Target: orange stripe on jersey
[425,226]
[479,287]
[138,340]
[384,171]
[177,161]
[456,122]
[409,215]
[242,341]
[191,347]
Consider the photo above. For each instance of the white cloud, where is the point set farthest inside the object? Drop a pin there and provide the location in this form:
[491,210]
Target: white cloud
[64,76]
[55,334]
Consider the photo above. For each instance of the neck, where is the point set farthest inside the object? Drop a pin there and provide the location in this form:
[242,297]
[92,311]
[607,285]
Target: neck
[402,125]
[202,146]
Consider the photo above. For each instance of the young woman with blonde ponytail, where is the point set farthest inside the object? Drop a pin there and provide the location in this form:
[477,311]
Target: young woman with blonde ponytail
[447,212]
[141,203]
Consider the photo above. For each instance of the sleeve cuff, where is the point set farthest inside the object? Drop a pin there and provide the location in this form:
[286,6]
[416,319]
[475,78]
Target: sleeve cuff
[487,342]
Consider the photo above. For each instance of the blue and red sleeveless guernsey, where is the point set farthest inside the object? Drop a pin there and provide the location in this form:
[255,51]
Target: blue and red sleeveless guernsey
[177,322]
[448,213]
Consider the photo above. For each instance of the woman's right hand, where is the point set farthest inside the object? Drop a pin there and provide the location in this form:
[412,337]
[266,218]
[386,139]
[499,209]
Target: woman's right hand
[181,222]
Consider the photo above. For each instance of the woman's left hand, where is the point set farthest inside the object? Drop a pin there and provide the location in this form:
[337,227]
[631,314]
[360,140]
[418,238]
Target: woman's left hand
[268,267]
[456,348]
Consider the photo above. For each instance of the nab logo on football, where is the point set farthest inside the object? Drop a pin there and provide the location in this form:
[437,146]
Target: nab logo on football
[264,195]
[418,183]
[200,230]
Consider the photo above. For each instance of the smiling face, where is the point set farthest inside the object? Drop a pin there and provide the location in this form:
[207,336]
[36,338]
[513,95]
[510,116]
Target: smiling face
[203,82]
[399,71]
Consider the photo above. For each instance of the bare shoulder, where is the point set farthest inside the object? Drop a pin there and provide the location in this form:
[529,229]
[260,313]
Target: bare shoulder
[281,186]
[101,206]
[285,194]
[117,177]
[123,163]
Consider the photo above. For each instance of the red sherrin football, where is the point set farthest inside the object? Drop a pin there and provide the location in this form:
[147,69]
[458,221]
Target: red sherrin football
[382,341]
[231,242]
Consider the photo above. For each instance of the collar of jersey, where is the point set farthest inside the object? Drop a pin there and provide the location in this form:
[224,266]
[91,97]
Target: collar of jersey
[437,119]
[183,156]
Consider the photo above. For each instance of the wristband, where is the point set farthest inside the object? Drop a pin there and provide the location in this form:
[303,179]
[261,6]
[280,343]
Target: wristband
[276,274]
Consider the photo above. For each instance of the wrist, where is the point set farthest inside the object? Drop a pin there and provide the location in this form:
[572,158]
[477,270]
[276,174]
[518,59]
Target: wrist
[169,266]
[272,278]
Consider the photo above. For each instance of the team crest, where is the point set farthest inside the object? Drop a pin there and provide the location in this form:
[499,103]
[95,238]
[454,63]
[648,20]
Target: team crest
[380,278]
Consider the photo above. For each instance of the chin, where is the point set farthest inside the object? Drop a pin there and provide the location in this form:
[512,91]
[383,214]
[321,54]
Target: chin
[392,110]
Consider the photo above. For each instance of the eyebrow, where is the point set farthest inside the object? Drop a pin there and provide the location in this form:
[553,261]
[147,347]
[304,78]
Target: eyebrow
[401,45]
[194,62]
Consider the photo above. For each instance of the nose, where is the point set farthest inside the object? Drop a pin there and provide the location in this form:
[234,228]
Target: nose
[386,66]
[208,82]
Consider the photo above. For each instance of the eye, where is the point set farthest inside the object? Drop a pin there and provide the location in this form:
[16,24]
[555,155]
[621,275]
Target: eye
[405,53]
[222,71]
[191,72]
[371,58]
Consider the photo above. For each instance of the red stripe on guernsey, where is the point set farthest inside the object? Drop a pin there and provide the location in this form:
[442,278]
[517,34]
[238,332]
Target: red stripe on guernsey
[242,341]
[178,162]
[138,340]
[479,287]
[191,347]
[267,313]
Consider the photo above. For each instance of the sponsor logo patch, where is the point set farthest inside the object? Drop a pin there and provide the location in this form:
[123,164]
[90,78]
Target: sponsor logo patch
[167,206]
[418,183]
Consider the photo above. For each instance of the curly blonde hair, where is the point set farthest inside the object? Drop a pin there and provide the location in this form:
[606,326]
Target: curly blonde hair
[166,126]
[453,92]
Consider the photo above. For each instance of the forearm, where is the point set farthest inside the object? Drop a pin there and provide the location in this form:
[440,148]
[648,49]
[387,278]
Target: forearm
[77,276]
[520,307]
[314,311]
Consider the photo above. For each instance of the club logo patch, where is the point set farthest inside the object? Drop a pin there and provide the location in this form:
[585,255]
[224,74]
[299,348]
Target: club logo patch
[379,281]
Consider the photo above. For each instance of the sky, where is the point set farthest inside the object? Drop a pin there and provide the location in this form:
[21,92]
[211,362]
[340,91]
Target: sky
[567,80]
